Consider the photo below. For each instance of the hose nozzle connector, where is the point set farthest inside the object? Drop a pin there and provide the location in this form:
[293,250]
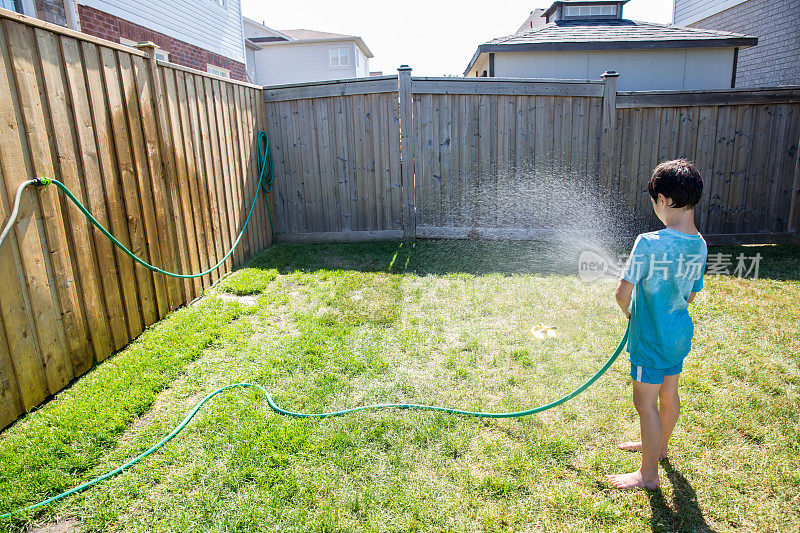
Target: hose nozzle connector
[42,181]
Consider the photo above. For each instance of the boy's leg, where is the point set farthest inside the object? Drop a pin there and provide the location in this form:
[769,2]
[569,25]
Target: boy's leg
[645,399]
[669,405]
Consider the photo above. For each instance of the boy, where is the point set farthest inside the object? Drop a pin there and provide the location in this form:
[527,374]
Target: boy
[661,278]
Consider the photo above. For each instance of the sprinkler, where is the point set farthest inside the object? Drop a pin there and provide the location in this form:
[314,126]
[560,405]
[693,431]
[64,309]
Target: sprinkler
[543,332]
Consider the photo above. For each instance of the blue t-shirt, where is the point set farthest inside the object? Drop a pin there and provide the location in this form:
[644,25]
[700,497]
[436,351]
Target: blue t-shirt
[665,266]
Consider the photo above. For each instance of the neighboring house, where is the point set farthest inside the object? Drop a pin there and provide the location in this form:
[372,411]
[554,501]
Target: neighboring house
[292,56]
[201,34]
[581,39]
[776,23]
[61,12]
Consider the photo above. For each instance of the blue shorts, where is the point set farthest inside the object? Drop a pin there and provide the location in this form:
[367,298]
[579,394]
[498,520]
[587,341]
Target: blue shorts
[654,376]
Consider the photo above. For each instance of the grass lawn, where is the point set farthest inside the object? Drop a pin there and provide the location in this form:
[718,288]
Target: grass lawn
[445,323]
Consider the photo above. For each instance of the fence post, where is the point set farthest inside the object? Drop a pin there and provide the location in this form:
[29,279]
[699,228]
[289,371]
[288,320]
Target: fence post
[608,127]
[794,215]
[176,296]
[407,151]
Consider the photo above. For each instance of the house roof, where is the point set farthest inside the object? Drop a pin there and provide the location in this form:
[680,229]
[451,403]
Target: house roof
[309,35]
[263,31]
[271,37]
[614,34]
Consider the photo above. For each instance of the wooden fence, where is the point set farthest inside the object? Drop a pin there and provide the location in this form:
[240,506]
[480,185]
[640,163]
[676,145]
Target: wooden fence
[496,158]
[163,156]
[336,149]
[492,157]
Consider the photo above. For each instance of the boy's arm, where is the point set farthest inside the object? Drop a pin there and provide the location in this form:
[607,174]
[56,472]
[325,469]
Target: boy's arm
[691,297]
[623,295]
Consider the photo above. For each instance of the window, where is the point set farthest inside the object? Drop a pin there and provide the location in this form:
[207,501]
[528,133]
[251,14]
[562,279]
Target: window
[161,55]
[340,57]
[218,71]
[586,11]
[220,3]
[11,5]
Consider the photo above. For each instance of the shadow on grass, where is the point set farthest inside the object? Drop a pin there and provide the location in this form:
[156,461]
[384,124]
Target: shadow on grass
[780,262]
[421,257]
[686,515]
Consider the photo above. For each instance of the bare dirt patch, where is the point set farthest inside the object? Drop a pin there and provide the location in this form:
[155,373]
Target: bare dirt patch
[65,525]
[249,299]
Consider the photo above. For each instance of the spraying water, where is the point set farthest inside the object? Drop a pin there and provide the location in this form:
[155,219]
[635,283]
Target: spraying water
[552,215]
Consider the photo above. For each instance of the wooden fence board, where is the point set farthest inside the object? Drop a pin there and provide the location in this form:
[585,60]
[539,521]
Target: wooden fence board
[740,170]
[232,143]
[147,83]
[704,160]
[757,175]
[67,157]
[109,175]
[250,130]
[510,87]
[723,161]
[252,115]
[227,175]
[295,192]
[16,315]
[719,97]
[133,220]
[786,152]
[143,180]
[247,168]
[236,143]
[200,188]
[181,203]
[172,143]
[208,121]
[211,176]
[648,155]
[194,208]
[92,194]
[10,405]
[43,289]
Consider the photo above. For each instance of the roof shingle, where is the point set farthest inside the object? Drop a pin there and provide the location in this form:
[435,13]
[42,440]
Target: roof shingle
[596,31]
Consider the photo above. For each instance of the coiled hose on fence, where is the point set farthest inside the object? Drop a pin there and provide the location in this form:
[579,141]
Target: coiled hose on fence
[265,181]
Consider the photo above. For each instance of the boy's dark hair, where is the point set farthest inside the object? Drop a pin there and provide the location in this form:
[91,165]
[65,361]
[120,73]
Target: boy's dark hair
[679,181]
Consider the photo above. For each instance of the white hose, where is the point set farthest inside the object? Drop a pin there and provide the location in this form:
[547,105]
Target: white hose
[14,211]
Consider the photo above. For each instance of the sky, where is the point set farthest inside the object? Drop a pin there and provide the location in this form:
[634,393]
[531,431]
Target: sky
[434,37]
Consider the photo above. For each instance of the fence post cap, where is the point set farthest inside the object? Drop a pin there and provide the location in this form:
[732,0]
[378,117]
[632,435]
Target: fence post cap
[610,74]
[404,68]
[146,45]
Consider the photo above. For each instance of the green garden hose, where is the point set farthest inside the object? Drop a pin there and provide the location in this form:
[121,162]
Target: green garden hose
[265,181]
[276,408]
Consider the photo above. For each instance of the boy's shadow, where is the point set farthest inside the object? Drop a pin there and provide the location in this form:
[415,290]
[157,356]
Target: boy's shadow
[687,515]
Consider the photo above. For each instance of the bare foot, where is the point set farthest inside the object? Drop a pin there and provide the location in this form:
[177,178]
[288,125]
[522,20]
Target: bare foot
[633,480]
[632,446]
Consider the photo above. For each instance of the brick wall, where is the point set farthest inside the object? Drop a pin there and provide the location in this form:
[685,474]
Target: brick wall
[776,23]
[51,11]
[105,26]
